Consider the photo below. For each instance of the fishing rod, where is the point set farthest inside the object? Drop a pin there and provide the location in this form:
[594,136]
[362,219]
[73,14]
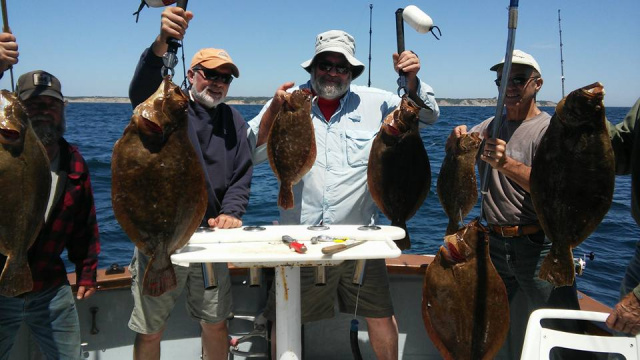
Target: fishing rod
[5,28]
[370,17]
[506,70]
[561,59]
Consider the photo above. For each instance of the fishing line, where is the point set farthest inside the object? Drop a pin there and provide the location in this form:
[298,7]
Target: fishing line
[353,332]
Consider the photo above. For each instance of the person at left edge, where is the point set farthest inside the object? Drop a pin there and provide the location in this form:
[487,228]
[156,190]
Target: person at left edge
[49,309]
[218,134]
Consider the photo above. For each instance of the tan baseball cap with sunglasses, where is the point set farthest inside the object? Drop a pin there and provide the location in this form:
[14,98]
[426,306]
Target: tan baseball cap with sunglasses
[211,58]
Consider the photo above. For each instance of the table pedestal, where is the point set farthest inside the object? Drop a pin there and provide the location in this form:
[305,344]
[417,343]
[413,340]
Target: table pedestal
[288,313]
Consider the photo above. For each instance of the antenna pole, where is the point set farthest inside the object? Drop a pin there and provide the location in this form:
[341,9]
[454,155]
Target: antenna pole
[561,58]
[370,16]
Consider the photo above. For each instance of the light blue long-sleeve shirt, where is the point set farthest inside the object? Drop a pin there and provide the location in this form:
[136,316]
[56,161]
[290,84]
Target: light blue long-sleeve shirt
[335,190]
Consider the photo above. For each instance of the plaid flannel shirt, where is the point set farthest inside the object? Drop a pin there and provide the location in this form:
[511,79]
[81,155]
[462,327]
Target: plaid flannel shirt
[71,224]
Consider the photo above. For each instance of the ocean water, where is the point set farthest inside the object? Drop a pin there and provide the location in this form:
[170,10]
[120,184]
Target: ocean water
[95,127]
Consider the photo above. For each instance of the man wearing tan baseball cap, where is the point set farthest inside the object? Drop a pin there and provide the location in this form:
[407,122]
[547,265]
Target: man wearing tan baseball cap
[218,134]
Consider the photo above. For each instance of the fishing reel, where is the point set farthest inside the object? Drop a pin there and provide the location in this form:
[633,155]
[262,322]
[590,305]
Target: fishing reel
[580,264]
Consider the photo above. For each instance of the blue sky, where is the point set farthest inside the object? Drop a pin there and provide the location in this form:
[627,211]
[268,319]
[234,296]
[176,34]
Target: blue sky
[93,46]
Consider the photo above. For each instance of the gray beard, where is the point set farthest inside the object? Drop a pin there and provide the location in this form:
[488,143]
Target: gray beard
[47,132]
[204,99]
[329,91]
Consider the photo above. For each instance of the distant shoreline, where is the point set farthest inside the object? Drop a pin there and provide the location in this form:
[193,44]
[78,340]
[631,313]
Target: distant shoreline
[262,100]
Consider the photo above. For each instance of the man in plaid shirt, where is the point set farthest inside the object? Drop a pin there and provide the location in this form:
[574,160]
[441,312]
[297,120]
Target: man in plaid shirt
[70,222]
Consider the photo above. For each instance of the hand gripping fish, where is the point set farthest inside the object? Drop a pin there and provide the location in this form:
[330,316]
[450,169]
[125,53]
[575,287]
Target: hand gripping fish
[465,307]
[399,173]
[572,178]
[25,183]
[457,186]
[158,189]
[291,145]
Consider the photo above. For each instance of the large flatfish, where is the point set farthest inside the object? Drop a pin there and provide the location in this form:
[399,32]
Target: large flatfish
[465,307]
[457,186]
[291,145]
[572,178]
[25,183]
[399,173]
[158,189]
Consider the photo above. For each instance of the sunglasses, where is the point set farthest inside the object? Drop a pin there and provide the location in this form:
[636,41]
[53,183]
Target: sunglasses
[214,76]
[517,81]
[326,66]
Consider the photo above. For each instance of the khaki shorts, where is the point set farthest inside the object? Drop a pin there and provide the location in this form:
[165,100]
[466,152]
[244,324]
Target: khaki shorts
[151,313]
[317,302]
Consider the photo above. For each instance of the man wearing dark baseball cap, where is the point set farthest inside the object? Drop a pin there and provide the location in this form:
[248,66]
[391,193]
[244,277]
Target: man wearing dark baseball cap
[48,310]
[39,82]
[218,134]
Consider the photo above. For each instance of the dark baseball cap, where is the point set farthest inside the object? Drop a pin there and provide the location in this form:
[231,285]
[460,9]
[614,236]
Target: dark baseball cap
[38,82]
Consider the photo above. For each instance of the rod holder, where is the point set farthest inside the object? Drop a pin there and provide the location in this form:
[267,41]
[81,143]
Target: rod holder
[209,276]
[320,273]
[255,277]
[358,272]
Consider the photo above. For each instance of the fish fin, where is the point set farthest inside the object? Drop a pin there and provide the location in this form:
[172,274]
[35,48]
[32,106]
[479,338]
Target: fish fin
[15,278]
[405,243]
[557,268]
[158,279]
[285,196]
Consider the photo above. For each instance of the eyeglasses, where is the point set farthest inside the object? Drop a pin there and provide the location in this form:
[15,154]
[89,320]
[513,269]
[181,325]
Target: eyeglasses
[326,66]
[518,80]
[214,76]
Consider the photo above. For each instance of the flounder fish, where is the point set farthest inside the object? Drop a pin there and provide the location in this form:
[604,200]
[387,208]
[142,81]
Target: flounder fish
[291,145]
[457,186]
[572,178]
[399,173]
[465,307]
[158,188]
[25,183]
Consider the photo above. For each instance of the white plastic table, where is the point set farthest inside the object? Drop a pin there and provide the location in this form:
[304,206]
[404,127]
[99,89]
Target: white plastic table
[263,247]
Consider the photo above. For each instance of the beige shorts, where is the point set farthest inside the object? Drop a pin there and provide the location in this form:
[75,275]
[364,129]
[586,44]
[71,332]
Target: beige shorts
[150,313]
[317,302]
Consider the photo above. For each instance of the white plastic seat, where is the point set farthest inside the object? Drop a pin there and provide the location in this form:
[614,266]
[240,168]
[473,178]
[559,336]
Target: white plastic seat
[539,341]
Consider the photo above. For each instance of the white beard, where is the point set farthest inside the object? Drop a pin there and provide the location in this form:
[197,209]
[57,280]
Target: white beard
[205,99]
[329,90]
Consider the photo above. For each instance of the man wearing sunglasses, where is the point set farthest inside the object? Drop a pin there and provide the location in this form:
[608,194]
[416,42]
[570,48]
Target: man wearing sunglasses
[517,243]
[219,135]
[346,119]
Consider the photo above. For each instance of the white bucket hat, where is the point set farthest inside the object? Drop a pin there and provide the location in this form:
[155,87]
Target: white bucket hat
[340,42]
[520,57]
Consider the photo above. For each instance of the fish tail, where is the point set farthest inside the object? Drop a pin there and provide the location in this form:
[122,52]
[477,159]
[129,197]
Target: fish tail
[405,243]
[557,268]
[15,278]
[285,196]
[158,279]
[452,228]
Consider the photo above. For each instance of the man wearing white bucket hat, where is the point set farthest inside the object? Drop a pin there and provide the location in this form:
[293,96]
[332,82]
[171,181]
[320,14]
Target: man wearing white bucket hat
[517,243]
[347,118]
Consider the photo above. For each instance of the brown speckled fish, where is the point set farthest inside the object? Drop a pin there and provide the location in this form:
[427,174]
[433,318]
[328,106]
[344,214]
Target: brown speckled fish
[158,189]
[25,183]
[291,145]
[465,307]
[457,186]
[399,173]
[572,178]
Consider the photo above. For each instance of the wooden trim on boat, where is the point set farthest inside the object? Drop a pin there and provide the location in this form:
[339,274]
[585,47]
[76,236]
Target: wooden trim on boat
[406,264]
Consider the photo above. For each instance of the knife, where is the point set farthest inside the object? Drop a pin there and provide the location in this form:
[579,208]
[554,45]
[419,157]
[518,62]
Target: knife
[330,250]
